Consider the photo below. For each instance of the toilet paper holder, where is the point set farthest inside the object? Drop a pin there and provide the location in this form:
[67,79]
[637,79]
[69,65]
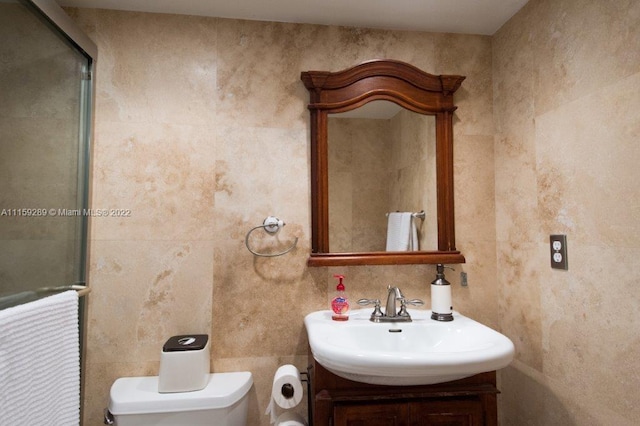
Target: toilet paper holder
[288,391]
[305,377]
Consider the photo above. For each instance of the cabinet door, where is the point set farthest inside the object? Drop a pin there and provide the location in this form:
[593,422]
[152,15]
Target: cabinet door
[447,413]
[392,414]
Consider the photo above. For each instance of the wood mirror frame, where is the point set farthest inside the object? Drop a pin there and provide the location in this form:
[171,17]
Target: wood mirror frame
[411,88]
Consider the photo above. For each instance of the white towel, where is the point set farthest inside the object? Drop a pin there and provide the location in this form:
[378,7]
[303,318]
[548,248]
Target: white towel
[402,233]
[413,243]
[40,362]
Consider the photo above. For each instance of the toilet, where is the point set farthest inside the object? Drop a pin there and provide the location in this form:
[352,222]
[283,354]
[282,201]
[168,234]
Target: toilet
[135,401]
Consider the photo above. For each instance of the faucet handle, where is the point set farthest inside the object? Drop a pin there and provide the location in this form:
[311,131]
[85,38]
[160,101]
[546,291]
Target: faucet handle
[377,313]
[403,306]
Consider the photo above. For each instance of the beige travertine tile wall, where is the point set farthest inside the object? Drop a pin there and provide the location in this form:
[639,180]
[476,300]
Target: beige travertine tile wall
[413,160]
[359,183]
[202,131]
[566,79]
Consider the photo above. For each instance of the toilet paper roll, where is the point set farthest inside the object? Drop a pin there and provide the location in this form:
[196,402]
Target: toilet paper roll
[287,389]
[290,419]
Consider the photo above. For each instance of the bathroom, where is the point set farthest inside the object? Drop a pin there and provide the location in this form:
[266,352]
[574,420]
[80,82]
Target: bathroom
[202,130]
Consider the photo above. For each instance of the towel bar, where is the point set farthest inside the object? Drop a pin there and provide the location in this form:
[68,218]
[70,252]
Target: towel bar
[420,215]
[82,289]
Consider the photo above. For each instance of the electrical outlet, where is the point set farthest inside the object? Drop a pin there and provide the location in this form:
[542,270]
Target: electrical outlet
[463,279]
[558,245]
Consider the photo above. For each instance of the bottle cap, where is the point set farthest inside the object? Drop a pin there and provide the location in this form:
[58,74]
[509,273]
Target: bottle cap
[340,286]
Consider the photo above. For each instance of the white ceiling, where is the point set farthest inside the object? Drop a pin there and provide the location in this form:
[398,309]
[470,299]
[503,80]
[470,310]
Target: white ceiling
[455,16]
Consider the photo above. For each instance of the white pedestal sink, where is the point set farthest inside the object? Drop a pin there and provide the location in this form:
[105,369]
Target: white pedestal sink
[421,352]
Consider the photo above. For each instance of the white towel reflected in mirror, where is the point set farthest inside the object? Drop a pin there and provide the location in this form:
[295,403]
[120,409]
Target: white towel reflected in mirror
[402,232]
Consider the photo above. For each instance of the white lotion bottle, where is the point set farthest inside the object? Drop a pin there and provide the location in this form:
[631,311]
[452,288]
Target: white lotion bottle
[441,309]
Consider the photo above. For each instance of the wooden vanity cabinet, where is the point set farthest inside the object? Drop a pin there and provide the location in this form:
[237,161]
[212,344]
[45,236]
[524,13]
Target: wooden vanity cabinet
[339,402]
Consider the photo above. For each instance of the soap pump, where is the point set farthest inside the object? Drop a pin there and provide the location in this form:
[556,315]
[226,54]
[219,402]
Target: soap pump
[441,309]
[340,302]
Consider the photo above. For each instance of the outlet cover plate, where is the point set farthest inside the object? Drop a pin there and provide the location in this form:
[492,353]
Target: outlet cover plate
[558,246]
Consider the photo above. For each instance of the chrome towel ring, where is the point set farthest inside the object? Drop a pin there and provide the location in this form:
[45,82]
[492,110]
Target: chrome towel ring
[271,225]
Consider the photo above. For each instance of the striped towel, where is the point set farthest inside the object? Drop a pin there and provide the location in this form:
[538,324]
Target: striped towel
[40,362]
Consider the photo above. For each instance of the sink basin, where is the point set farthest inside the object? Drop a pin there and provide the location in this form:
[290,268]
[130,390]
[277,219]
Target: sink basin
[421,352]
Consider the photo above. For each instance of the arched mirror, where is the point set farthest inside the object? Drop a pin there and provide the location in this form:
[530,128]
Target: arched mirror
[381,143]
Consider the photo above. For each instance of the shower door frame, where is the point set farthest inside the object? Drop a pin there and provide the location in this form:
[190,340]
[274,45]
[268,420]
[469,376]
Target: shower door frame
[58,17]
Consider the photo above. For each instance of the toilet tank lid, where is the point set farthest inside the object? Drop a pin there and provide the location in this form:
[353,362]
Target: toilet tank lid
[139,395]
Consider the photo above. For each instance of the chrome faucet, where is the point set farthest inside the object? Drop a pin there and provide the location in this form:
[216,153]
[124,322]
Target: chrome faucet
[390,315]
[393,294]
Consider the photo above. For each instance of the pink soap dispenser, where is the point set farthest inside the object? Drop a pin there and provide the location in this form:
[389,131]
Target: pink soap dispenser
[340,302]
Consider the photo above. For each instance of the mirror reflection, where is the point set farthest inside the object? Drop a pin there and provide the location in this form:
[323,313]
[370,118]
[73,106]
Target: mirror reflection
[381,159]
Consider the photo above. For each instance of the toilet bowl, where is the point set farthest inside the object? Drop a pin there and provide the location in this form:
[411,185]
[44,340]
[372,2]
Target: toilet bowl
[135,401]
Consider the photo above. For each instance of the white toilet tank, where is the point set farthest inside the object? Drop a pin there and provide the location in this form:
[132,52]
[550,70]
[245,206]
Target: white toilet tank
[135,401]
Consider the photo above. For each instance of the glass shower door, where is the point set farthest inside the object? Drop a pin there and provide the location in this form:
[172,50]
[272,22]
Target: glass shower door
[44,137]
